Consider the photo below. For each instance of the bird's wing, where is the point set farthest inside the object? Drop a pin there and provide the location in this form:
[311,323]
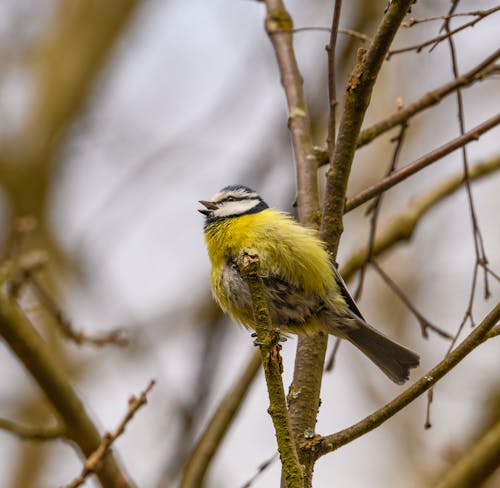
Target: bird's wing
[345,293]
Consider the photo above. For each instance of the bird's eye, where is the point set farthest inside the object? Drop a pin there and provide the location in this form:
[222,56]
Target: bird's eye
[230,199]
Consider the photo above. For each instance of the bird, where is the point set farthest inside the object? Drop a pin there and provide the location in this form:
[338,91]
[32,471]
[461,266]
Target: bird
[304,292]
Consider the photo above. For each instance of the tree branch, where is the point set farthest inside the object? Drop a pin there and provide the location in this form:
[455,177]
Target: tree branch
[477,464]
[32,433]
[323,445]
[412,168]
[279,27]
[34,353]
[332,91]
[402,226]
[268,342]
[430,99]
[436,40]
[202,454]
[94,462]
[357,98]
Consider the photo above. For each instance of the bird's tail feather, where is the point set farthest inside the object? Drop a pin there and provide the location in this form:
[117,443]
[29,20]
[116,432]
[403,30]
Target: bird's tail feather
[392,358]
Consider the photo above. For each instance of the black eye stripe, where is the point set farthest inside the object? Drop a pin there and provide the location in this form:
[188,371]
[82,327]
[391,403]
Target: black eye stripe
[232,198]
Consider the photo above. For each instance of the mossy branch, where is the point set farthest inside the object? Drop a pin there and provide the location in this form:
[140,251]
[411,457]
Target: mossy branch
[268,342]
[323,445]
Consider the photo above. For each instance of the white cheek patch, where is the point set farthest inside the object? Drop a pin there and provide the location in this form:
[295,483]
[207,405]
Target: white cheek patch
[235,208]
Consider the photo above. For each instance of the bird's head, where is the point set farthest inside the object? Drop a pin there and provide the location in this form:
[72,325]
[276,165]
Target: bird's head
[232,201]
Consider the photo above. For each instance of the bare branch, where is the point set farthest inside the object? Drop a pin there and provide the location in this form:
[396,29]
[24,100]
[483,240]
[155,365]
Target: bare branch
[413,21]
[35,355]
[114,337]
[357,97]
[279,27]
[430,99]
[348,32]
[94,462]
[412,168]
[332,92]
[442,37]
[402,226]
[425,325]
[323,445]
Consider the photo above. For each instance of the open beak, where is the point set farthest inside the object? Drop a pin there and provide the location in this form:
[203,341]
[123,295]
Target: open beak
[210,206]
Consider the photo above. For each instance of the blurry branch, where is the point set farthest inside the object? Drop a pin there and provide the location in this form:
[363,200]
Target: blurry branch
[375,208]
[323,445]
[113,337]
[417,165]
[402,226]
[477,464]
[356,100]
[425,325]
[210,440]
[32,433]
[494,332]
[348,32]
[268,342]
[480,15]
[94,462]
[38,359]
[279,27]
[21,270]
[63,64]
[430,99]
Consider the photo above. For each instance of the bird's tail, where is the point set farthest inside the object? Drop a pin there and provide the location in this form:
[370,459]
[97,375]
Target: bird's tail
[392,358]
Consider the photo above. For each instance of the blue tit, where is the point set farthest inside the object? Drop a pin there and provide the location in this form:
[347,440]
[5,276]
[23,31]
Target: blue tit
[305,293]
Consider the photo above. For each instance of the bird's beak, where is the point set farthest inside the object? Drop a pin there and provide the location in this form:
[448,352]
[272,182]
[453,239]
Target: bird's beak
[210,206]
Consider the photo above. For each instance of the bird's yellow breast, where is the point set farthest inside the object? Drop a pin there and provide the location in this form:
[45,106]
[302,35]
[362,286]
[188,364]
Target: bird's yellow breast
[285,249]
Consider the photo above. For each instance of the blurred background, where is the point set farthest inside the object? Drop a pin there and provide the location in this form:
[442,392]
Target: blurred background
[115,118]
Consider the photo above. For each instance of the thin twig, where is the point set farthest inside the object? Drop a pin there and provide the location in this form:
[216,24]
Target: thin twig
[417,165]
[480,253]
[333,355]
[402,226]
[425,324]
[94,462]
[260,469]
[436,40]
[479,72]
[413,21]
[332,92]
[115,337]
[348,32]
[357,97]
[375,209]
[25,432]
